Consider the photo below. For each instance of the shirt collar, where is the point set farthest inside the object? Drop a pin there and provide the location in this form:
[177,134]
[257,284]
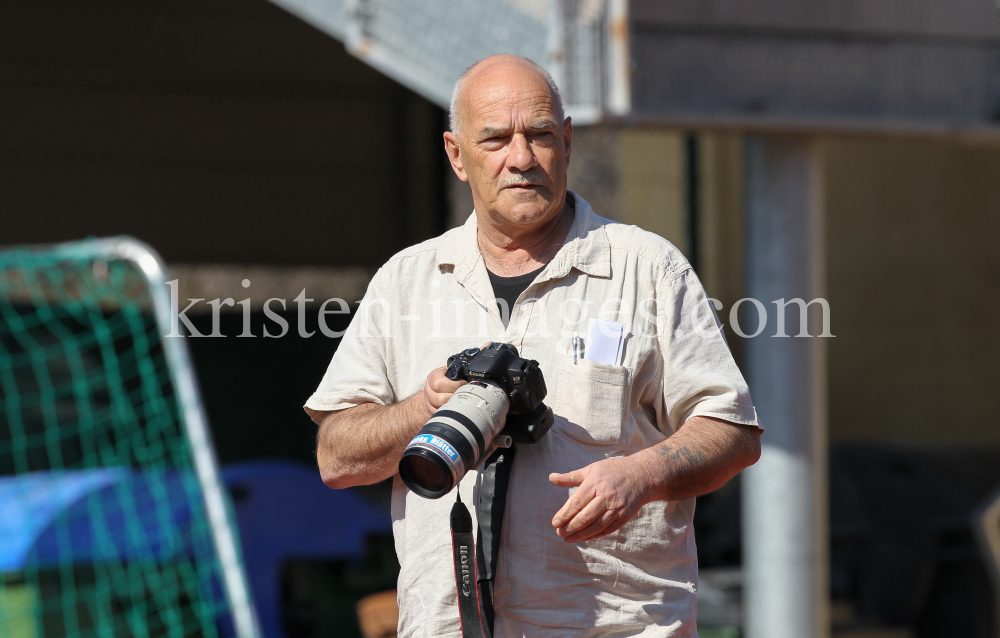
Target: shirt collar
[587,247]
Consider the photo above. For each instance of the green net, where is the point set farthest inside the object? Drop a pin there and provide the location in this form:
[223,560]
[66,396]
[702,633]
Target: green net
[104,528]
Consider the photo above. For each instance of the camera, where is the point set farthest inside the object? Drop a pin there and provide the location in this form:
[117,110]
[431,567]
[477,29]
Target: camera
[502,402]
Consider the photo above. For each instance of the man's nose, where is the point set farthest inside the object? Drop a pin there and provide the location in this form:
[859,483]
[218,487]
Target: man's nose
[520,156]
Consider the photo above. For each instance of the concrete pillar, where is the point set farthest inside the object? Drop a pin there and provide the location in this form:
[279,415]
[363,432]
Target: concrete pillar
[785,546]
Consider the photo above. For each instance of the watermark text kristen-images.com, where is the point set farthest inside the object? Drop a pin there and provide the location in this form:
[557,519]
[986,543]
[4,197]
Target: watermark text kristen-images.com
[377,317]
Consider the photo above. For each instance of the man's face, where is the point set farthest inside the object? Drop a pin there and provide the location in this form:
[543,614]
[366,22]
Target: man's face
[514,148]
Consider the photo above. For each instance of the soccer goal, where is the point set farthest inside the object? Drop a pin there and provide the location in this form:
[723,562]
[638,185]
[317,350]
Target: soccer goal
[113,521]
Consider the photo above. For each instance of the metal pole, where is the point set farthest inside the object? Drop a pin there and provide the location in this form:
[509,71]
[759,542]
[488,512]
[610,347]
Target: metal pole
[618,99]
[785,554]
[557,45]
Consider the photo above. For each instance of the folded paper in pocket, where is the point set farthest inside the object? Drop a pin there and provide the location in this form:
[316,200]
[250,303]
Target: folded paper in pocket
[605,341]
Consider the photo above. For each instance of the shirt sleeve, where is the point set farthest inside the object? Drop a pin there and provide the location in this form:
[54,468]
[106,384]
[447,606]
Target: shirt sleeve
[357,374]
[700,377]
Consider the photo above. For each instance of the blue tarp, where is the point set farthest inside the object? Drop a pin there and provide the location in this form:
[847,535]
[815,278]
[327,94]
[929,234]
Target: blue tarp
[98,515]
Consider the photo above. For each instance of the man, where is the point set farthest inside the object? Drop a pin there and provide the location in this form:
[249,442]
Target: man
[597,536]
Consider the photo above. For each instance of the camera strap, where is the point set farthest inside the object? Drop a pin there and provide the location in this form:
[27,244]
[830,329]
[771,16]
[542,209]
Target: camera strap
[474,577]
[466,581]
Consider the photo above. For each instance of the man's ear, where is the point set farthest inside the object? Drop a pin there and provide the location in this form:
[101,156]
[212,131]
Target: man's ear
[568,137]
[454,155]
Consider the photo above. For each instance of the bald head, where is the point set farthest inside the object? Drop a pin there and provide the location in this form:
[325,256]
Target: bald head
[498,68]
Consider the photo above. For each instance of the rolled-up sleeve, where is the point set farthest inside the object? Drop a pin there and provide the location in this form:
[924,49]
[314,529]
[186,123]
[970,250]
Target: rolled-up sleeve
[700,377]
[357,374]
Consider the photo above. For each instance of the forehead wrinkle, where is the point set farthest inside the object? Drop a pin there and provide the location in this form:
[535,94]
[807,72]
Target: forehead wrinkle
[497,129]
[497,97]
[495,93]
[507,113]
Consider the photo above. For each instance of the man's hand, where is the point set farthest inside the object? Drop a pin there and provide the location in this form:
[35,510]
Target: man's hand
[698,458]
[438,389]
[610,493]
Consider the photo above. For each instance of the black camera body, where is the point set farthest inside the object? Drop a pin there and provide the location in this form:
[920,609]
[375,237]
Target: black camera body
[499,364]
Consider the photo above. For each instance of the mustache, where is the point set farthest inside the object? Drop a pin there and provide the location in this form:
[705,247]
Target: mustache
[522,179]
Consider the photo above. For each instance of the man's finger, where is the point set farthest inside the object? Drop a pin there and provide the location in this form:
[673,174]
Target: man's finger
[569,479]
[447,386]
[441,384]
[438,399]
[573,505]
[612,527]
[595,529]
[584,518]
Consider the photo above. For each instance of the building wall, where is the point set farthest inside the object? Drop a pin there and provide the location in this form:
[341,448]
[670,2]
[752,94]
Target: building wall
[914,262]
[633,175]
[653,192]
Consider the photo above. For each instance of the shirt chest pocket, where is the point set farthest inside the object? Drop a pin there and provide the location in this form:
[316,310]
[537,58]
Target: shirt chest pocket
[592,404]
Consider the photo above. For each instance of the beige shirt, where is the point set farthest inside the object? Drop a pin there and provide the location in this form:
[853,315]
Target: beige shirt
[435,299]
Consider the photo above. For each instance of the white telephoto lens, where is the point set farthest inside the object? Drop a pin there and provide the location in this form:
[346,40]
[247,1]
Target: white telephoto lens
[455,439]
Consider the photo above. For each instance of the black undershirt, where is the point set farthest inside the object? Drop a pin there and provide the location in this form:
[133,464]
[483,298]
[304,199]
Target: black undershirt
[508,289]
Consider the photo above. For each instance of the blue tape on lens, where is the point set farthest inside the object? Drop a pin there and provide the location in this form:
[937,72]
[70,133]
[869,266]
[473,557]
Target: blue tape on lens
[439,444]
